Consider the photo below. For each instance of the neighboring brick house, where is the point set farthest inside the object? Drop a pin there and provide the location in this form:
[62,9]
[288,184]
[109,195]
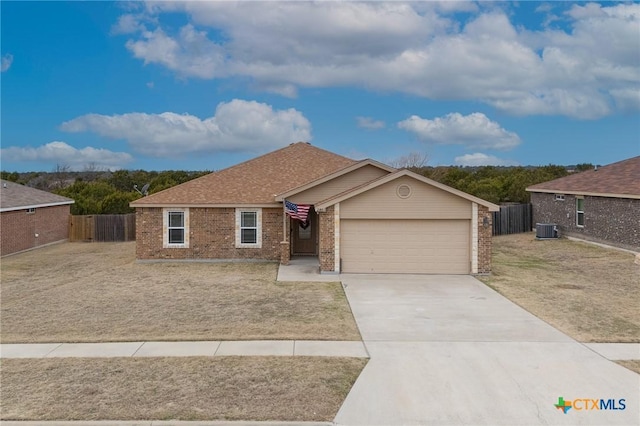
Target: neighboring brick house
[365,217]
[600,205]
[31,218]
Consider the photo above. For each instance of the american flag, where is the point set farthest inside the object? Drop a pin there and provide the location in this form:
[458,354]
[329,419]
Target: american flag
[297,211]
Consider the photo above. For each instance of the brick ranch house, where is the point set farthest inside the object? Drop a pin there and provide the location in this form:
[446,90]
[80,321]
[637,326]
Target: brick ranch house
[31,218]
[365,217]
[600,205]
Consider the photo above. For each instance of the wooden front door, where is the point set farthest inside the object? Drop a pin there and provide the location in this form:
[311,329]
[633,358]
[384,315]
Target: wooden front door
[305,240]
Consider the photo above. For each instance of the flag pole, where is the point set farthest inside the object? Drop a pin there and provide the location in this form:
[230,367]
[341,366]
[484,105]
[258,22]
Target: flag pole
[285,237]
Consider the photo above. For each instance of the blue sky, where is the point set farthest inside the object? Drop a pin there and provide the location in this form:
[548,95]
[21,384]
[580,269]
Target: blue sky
[204,85]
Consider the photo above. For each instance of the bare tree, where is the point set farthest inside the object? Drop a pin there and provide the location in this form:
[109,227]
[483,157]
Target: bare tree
[413,160]
[92,167]
[92,171]
[59,176]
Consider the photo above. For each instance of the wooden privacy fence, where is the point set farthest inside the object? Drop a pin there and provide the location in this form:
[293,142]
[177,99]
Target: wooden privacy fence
[513,219]
[102,227]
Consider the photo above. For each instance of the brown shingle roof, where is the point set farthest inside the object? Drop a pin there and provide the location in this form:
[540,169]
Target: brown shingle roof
[14,196]
[253,182]
[618,179]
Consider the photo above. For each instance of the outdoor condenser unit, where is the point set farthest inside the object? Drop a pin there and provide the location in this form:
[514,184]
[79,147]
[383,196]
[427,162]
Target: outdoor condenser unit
[546,230]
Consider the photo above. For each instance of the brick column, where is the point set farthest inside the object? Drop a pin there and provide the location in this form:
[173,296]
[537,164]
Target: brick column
[327,240]
[485,219]
[285,252]
[285,245]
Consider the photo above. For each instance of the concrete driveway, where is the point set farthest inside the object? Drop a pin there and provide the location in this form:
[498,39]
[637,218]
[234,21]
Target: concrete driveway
[447,350]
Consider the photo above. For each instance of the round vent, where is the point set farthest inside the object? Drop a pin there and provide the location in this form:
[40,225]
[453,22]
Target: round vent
[403,191]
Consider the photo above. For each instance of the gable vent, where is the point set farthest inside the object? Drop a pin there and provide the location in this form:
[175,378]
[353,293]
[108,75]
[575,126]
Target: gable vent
[403,191]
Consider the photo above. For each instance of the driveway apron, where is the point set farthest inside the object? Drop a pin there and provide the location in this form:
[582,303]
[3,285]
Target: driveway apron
[447,350]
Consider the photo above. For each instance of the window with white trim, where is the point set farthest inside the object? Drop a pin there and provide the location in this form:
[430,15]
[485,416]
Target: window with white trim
[559,197]
[249,228]
[175,228]
[580,212]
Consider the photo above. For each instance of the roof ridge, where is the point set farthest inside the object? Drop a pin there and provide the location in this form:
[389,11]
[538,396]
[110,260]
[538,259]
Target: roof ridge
[268,154]
[255,180]
[413,175]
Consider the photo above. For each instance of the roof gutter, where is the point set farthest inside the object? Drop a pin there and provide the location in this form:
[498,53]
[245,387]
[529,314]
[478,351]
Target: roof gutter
[217,206]
[35,206]
[590,194]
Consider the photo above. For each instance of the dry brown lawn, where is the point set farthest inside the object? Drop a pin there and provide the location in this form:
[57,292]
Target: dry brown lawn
[97,292]
[198,388]
[588,292]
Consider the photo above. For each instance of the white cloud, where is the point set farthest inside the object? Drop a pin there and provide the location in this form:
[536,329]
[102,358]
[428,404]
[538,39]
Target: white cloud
[590,10]
[236,126]
[480,159]
[448,6]
[415,48]
[473,131]
[7,60]
[544,7]
[627,99]
[191,54]
[62,153]
[369,123]
[127,24]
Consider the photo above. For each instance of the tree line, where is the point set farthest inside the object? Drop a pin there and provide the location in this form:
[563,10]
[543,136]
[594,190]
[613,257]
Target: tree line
[99,192]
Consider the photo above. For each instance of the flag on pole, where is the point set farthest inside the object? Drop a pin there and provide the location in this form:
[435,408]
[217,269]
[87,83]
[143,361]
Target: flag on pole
[297,211]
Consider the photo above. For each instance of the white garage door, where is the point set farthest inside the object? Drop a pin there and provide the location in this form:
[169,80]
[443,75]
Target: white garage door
[405,246]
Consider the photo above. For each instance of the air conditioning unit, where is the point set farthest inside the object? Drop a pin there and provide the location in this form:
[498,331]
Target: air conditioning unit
[546,231]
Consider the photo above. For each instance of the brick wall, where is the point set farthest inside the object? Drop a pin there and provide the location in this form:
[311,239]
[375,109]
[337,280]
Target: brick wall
[484,239]
[614,221]
[327,240]
[19,228]
[212,235]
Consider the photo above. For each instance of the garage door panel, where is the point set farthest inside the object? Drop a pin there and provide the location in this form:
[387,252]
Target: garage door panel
[405,246]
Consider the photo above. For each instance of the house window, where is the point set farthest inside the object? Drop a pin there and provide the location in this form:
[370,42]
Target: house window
[249,228]
[580,212]
[176,228]
[32,210]
[559,197]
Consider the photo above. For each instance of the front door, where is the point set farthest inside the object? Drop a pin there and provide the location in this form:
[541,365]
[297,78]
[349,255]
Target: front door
[305,239]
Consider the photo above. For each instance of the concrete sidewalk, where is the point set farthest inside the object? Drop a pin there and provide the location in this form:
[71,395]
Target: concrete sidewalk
[183,349]
[356,349]
[305,269]
[159,423]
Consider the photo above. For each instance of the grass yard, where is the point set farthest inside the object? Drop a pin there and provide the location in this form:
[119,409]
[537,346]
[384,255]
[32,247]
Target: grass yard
[588,292]
[198,388]
[96,292]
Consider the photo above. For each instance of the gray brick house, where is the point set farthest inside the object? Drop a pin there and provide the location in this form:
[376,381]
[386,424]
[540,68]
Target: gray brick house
[364,217]
[600,205]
